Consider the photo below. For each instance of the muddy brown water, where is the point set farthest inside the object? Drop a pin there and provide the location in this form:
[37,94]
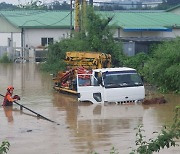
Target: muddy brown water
[83,128]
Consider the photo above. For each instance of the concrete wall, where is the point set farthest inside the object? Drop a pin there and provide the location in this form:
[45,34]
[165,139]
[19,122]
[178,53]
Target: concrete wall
[33,36]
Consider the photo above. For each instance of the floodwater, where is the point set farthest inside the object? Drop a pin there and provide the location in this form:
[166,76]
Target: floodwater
[84,128]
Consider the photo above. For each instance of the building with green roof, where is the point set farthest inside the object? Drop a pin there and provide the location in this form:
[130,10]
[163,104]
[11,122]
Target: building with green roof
[37,28]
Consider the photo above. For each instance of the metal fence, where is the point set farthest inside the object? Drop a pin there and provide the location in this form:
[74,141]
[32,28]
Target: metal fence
[24,54]
[3,50]
[40,55]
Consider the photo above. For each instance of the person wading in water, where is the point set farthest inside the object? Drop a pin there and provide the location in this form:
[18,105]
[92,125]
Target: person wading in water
[9,99]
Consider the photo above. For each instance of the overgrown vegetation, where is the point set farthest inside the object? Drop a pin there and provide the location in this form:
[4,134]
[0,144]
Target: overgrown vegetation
[5,59]
[138,61]
[4,147]
[163,68]
[96,36]
[160,67]
[166,137]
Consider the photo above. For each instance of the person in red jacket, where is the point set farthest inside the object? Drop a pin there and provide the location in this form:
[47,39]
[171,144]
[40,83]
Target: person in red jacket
[8,99]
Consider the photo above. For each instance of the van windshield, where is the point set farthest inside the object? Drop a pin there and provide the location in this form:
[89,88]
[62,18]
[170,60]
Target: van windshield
[121,79]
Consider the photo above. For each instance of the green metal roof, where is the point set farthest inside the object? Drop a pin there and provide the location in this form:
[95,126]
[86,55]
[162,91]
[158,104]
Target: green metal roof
[37,18]
[61,19]
[144,20]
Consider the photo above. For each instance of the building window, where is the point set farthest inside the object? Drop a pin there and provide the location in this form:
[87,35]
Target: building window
[45,41]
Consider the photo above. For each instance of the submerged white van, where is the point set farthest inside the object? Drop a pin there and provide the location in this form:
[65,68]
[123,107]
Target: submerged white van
[119,85]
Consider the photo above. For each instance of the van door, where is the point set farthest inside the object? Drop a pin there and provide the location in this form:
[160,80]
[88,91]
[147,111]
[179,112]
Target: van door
[88,89]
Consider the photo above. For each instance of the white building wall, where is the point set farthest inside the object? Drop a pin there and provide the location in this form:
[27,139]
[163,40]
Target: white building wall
[174,33]
[7,27]
[15,36]
[33,36]
[175,11]
[121,33]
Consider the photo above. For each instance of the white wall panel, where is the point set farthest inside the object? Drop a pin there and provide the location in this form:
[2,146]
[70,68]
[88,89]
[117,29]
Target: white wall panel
[174,33]
[33,36]
[16,39]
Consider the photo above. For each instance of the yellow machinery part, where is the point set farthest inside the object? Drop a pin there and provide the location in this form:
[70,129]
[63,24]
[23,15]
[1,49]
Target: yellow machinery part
[77,16]
[89,60]
[75,60]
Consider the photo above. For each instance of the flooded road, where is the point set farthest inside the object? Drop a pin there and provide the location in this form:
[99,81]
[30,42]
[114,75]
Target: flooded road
[84,128]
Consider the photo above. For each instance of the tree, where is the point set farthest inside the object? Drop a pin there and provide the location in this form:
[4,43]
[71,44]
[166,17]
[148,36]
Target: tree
[56,5]
[6,6]
[34,4]
[99,36]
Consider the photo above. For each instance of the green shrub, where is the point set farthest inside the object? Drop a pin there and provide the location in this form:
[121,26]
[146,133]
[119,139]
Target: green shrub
[4,147]
[166,137]
[5,59]
[136,62]
[163,69]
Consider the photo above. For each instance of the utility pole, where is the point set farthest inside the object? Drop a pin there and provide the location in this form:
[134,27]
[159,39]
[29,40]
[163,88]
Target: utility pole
[83,14]
[77,15]
[71,19]
[11,54]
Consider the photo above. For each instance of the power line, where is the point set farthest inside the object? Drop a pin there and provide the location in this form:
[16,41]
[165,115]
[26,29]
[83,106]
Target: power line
[48,24]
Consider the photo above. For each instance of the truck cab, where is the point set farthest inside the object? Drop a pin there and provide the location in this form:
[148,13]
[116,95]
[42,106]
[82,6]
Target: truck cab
[119,85]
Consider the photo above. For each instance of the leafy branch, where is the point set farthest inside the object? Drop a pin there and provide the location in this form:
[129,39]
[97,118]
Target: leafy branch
[4,147]
[165,139]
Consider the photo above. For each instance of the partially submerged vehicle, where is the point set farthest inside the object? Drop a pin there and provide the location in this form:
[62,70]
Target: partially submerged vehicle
[90,77]
[119,85]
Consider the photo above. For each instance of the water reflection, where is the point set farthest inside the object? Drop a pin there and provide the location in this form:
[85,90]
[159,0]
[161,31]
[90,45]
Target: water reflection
[8,113]
[102,126]
[29,83]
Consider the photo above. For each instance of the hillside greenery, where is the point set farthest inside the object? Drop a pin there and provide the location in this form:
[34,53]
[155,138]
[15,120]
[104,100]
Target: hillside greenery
[64,5]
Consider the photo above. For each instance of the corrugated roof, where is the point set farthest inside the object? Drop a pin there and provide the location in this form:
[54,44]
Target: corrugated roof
[37,18]
[144,20]
[152,21]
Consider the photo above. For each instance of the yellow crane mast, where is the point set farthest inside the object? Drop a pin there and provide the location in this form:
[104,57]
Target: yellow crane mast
[80,14]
